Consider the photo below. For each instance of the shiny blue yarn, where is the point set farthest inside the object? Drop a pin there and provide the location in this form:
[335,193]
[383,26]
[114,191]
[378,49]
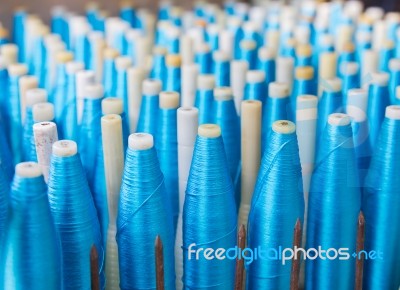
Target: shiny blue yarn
[378,100]
[204,102]
[255,91]
[159,69]
[333,207]
[345,56]
[276,205]
[212,41]
[142,216]
[28,145]
[68,124]
[394,81]
[209,217]
[19,33]
[59,93]
[81,49]
[249,55]
[4,199]
[303,61]
[122,89]
[237,33]
[329,103]
[167,152]
[3,96]
[381,209]
[204,62]
[362,148]
[385,56]
[31,251]
[268,66]
[147,122]
[129,15]
[173,79]
[222,73]
[349,81]
[109,78]
[39,61]
[6,162]
[301,87]
[76,222]
[360,48]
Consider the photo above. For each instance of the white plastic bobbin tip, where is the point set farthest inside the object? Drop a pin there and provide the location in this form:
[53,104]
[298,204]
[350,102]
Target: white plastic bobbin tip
[173,60]
[304,72]
[339,119]
[278,90]
[202,48]
[357,93]
[123,62]
[223,94]
[209,131]
[64,56]
[169,100]
[206,82]
[110,53]
[140,141]
[255,76]
[304,50]
[35,96]
[332,85]
[17,69]
[112,106]
[310,100]
[394,64]
[73,67]
[220,56]
[151,87]
[43,112]
[284,127]
[28,170]
[380,79]
[248,44]
[94,91]
[393,112]
[160,50]
[65,148]
[349,68]
[266,53]
[45,126]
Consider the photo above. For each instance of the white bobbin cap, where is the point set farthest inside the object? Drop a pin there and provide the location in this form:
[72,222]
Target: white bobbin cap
[161,50]
[332,85]
[112,106]
[202,48]
[35,96]
[209,131]
[393,112]
[65,148]
[284,127]
[17,69]
[326,40]
[394,64]
[248,44]
[339,119]
[223,94]
[94,91]
[349,68]
[206,82]
[140,141]
[278,90]
[9,49]
[151,87]
[304,72]
[266,53]
[173,60]
[255,76]
[123,62]
[169,100]
[43,112]
[357,104]
[28,170]
[220,56]
[380,79]
[73,67]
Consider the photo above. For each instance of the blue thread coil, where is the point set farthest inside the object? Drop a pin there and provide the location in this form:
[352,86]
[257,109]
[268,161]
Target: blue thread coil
[122,90]
[255,91]
[249,55]
[329,103]
[109,78]
[3,96]
[39,61]
[204,61]
[28,146]
[277,203]
[221,69]
[204,102]
[209,216]
[333,206]
[75,219]
[82,48]
[385,55]
[6,162]
[57,97]
[159,69]
[301,87]
[19,19]
[173,80]
[148,116]
[381,208]
[129,15]
[394,82]
[31,251]
[142,216]
[4,199]
[268,66]
[350,80]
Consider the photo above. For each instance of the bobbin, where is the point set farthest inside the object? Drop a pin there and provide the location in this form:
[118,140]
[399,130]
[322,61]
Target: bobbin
[173,60]
[339,119]
[72,67]
[223,94]
[205,82]
[380,79]
[332,85]
[169,100]
[17,69]
[255,76]
[94,91]
[278,90]
[393,112]
[123,62]
[43,112]
[304,72]
[349,68]
[151,87]
[357,102]
[209,131]
[112,106]
[284,127]
[65,148]
[140,141]
[34,96]
[28,170]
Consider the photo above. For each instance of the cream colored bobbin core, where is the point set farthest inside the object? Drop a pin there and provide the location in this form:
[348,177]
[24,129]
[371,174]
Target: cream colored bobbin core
[248,44]
[284,127]
[209,131]
[206,82]
[64,56]
[388,44]
[3,32]
[278,90]
[394,64]
[17,69]
[304,73]
[338,119]
[112,106]
[393,112]
[35,96]
[255,76]
[169,100]
[349,68]
[43,112]
[28,82]
[123,62]
[174,60]
[140,141]
[202,48]
[160,50]
[28,170]
[73,67]
[223,94]
[380,79]
[220,55]
[266,53]
[304,50]
[348,47]
[9,49]
[65,148]
[94,91]
[332,85]
[110,53]
[151,87]
[357,100]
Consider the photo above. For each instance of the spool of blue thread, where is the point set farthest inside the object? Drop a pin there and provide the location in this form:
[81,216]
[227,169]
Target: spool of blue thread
[109,81]
[330,102]
[380,205]
[122,64]
[363,42]
[279,186]
[148,116]
[31,254]
[333,206]
[19,19]
[289,48]
[248,52]
[350,72]
[378,100]
[385,55]
[167,149]
[251,32]
[255,88]
[209,214]
[59,24]
[205,98]
[74,215]
[6,162]
[303,84]
[173,79]
[212,36]
[142,216]
[324,44]
[3,93]
[38,61]
[95,56]
[347,54]
[127,13]
[266,63]
[203,58]
[4,199]
[159,69]
[221,68]
[394,81]
[173,43]
[81,43]
[234,24]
